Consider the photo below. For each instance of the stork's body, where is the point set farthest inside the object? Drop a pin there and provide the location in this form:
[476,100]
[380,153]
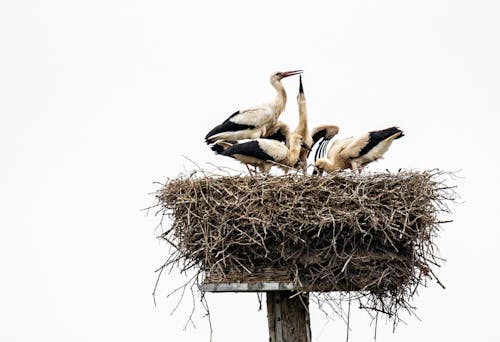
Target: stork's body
[264,153]
[355,153]
[253,122]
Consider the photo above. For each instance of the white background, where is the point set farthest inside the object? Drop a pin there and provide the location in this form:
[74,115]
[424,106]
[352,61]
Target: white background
[99,99]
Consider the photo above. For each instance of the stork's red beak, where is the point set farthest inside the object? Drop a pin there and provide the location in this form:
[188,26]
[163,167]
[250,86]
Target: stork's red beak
[291,73]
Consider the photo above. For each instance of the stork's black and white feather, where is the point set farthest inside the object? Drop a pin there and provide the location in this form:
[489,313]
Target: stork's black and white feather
[375,139]
[221,145]
[356,153]
[322,135]
[253,122]
[263,153]
[279,132]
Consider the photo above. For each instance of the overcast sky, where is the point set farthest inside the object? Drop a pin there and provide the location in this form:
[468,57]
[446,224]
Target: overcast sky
[99,99]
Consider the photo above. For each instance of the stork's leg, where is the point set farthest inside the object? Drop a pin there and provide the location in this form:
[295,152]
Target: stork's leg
[249,171]
[304,168]
[265,168]
[357,167]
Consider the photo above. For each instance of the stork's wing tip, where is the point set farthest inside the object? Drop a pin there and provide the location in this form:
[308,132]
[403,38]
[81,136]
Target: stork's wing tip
[218,149]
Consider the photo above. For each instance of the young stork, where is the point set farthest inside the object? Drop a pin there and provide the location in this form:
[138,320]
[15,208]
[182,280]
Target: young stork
[264,153]
[253,122]
[325,132]
[281,131]
[356,153]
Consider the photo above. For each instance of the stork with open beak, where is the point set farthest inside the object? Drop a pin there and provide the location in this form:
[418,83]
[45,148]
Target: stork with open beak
[264,153]
[356,153]
[253,122]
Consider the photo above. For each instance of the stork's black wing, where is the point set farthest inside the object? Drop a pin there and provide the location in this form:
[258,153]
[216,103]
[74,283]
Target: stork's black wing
[278,135]
[249,148]
[375,137]
[227,126]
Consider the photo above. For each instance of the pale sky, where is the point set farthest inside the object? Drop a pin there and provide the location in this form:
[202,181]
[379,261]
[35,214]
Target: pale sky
[99,99]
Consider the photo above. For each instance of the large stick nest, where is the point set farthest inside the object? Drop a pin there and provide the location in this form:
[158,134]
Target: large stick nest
[371,233]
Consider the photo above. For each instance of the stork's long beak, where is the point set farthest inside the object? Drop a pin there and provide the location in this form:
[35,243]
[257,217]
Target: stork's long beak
[304,145]
[301,89]
[291,73]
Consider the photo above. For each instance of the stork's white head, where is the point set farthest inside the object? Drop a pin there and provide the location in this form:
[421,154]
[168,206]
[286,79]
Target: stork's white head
[298,140]
[279,75]
[322,164]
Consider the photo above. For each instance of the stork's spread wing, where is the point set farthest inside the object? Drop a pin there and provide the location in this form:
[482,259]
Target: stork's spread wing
[322,134]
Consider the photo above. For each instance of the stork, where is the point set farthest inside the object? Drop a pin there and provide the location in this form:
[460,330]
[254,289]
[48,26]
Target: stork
[281,131]
[310,138]
[264,153]
[253,122]
[356,153]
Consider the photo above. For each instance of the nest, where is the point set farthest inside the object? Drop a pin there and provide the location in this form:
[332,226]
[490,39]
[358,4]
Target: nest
[370,233]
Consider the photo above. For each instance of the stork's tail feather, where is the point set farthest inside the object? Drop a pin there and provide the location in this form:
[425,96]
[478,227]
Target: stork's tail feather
[208,139]
[388,132]
[221,145]
[218,149]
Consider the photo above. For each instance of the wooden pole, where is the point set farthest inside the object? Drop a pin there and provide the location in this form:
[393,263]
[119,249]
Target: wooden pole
[288,318]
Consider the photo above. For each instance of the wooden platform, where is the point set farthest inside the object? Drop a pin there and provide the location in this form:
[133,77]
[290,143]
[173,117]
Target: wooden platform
[248,287]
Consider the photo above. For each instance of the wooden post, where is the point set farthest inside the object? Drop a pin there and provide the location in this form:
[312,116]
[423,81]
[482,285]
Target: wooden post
[288,318]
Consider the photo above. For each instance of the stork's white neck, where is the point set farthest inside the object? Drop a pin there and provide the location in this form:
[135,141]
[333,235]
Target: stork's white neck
[280,102]
[293,152]
[302,127]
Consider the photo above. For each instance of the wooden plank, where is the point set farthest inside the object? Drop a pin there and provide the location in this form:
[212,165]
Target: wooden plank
[248,287]
[288,318]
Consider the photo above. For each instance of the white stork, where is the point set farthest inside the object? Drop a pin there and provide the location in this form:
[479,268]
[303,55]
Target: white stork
[264,153]
[281,131]
[253,122]
[355,153]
